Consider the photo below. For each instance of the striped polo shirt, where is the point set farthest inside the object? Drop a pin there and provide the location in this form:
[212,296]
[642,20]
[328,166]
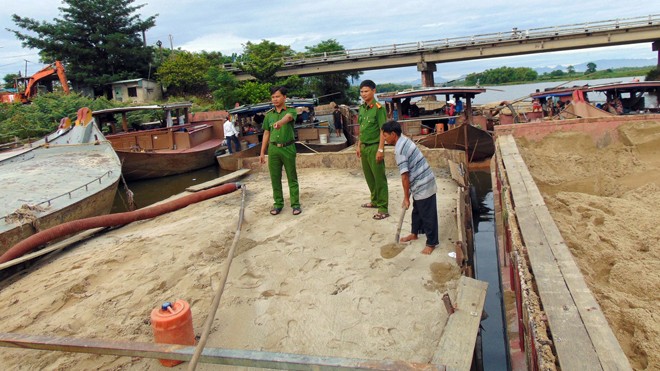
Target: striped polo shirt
[410,160]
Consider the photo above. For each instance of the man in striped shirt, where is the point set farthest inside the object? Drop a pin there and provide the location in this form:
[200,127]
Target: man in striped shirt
[418,181]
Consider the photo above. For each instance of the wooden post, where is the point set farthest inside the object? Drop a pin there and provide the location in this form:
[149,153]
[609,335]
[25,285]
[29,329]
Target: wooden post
[124,122]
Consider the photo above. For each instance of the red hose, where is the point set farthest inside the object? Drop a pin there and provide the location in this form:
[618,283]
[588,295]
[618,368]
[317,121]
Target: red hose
[111,220]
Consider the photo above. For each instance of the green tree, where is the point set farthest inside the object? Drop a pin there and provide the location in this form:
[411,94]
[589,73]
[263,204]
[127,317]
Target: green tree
[44,114]
[264,59]
[591,68]
[184,73]
[297,86]
[570,70]
[502,75]
[557,73]
[653,75]
[252,92]
[10,80]
[337,84]
[99,41]
[222,85]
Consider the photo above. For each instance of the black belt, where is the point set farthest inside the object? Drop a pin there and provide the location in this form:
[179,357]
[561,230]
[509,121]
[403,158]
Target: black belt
[282,144]
[368,144]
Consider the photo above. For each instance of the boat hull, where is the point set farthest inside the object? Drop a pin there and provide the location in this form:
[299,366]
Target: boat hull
[160,163]
[74,176]
[479,144]
[319,147]
[98,204]
[234,161]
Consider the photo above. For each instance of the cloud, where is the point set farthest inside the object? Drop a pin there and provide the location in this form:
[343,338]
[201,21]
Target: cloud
[226,43]
[225,26]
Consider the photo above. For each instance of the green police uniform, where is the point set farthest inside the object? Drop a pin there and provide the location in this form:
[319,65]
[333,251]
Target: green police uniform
[282,152]
[371,119]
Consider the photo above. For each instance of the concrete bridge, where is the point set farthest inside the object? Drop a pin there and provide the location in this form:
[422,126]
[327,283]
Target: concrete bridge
[425,54]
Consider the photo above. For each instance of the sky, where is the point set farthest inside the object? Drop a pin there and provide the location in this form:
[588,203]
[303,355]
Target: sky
[225,26]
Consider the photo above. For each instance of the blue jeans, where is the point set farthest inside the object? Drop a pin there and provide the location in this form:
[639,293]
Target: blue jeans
[230,139]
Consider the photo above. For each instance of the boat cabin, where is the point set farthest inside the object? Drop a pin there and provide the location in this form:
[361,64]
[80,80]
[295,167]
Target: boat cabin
[630,97]
[421,112]
[154,127]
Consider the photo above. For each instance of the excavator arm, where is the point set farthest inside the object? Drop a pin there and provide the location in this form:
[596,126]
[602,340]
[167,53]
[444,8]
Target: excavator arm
[52,69]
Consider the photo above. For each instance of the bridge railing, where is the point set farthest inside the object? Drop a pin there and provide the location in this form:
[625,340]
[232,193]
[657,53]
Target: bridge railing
[462,41]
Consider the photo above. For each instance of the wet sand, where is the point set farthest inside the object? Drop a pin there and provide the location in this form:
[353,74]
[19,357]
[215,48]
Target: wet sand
[330,282]
[606,203]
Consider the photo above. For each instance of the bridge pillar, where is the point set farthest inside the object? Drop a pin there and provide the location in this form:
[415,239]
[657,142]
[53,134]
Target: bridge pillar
[427,70]
[655,46]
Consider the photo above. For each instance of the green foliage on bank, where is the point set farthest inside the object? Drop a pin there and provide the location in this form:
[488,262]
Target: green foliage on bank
[43,115]
[524,75]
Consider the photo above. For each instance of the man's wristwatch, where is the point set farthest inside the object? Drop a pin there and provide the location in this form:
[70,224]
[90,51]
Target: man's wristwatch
[381,150]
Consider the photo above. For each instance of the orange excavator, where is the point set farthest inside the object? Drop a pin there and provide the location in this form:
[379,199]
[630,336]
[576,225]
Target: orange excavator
[49,73]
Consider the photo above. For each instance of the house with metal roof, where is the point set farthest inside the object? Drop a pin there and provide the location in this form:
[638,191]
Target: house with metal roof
[136,91]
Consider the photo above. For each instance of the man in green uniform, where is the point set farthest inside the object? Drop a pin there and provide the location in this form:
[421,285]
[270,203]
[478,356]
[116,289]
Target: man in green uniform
[279,140]
[370,148]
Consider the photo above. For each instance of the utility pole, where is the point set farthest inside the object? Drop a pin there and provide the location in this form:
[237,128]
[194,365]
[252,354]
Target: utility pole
[171,43]
[26,62]
[144,38]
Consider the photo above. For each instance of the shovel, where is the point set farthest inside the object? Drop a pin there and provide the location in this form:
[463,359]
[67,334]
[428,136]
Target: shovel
[398,229]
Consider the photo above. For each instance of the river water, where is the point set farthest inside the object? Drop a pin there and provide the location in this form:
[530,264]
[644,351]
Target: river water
[150,191]
[493,335]
[513,92]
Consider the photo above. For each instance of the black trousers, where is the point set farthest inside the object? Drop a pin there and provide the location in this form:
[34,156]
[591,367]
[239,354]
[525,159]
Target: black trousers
[233,139]
[425,219]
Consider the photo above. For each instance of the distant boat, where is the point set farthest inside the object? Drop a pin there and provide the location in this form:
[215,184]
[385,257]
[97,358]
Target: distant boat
[71,174]
[167,146]
[311,135]
[430,127]
[631,94]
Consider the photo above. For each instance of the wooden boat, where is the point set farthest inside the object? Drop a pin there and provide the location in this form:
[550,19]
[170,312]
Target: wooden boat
[71,174]
[318,137]
[311,135]
[168,146]
[477,143]
[631,94]
[234,161]
[432,123]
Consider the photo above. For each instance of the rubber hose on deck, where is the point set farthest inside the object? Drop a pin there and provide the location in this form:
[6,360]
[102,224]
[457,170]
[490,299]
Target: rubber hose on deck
[111,220]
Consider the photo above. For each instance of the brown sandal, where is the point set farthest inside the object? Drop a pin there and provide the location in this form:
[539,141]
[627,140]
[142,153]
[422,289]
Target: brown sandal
[381,216]
[368,205]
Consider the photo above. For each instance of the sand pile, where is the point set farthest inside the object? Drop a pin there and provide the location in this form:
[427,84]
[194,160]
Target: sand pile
[606,203]
[327,282]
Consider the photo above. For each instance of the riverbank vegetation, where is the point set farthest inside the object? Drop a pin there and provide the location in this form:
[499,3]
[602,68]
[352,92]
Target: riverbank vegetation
[526,75]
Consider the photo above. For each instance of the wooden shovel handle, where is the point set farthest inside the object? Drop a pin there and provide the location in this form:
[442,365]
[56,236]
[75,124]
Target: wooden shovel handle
[398,229]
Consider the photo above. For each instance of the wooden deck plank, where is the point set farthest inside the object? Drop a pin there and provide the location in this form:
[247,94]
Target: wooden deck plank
[605,343]
[218,181]
[456,347]
[456,173]
[565,323]
[538,227]
[607,346]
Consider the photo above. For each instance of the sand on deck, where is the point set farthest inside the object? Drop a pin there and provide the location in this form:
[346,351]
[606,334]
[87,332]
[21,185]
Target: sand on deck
[606,203]
[326,283]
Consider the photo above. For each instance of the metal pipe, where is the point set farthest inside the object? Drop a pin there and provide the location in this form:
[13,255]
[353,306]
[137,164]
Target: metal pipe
[234,357]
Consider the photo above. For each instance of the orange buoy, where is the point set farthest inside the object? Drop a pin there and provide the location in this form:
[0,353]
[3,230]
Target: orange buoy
[172,324]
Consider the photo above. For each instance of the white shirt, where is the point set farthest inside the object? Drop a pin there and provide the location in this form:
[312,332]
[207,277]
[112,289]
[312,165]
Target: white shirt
[229,129]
